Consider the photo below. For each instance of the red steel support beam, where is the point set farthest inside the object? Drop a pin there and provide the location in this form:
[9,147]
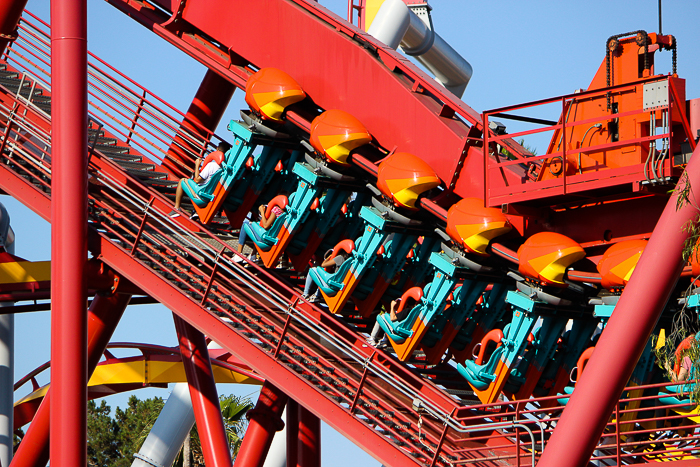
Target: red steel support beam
[69,233]
[264,421]
[309,448]
[292,431]
[205,399]
[627,332]
[205,112]
[103,316]
[10,12]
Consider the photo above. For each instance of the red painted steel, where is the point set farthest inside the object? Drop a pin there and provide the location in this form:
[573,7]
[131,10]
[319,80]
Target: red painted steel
[103,316]
[417,105]
[292,432]
[264,421]
[347,374]
[309,447]
[205,112]
[298,363]
[10,13]
[499,193]
[149,128]
[205,398]
[628,330]
[149,353]
[69,233]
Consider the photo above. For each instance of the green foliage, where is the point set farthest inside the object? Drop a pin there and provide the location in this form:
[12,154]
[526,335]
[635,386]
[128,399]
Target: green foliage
[684,192]
[17,438]
[135,422]
[113,441]
[685,323]
[233,410]
[529,149]
[103,447]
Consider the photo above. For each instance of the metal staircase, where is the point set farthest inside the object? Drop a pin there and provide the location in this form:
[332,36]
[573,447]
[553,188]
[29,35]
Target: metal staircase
[379,403]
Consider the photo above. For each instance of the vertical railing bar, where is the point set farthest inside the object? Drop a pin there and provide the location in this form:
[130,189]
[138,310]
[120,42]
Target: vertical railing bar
[276,353]
[617,431]
[563,146]
[143,224]
[136,118]
[439,445]
[362,381]
[94,140]
[214,269]
[487,160]
[517,435]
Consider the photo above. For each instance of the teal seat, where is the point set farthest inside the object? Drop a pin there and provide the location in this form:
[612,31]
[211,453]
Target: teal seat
[267,238]
[264,238]
[332,282]
[399,331]
[565,400]
[205,192]
[479,375]
[678,394]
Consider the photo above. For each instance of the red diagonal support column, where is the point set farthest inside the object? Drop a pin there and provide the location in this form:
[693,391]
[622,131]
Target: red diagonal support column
[103,316]
[205,399]
[626,334]
[309,447]
[69,232]
[10,12]
[204,114]
[264,421]
[292,432]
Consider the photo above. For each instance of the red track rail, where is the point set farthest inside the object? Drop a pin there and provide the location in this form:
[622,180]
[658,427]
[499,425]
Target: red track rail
[403,108]
[363,394]
[366,395]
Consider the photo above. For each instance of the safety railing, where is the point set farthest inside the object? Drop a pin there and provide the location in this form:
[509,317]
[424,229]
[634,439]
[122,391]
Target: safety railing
[380,392]
[641,429]
[262,309]
[511,178]
[134,114]
[383,394]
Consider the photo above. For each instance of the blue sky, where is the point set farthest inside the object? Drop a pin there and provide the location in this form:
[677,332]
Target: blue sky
[520,51]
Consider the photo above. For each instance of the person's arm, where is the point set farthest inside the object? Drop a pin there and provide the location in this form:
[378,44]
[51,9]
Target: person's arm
[327,263]
[392,309]
[677,378]
[197,165]
[266,222]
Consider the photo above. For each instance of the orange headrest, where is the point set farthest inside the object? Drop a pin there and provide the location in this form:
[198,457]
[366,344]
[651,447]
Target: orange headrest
[280,201]
[216,156]
[416,293]
[346,245]
[494,335]
[583,359]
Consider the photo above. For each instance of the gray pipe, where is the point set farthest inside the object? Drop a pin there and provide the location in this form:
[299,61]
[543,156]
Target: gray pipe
[7,352]
[395,24]
[169,432]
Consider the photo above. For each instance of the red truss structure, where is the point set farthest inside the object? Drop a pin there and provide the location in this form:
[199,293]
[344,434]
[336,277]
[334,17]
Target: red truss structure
[502,266]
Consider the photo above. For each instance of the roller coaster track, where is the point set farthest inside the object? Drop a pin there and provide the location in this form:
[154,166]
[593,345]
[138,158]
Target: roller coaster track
[411,112]
[397,412]
[363,393]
